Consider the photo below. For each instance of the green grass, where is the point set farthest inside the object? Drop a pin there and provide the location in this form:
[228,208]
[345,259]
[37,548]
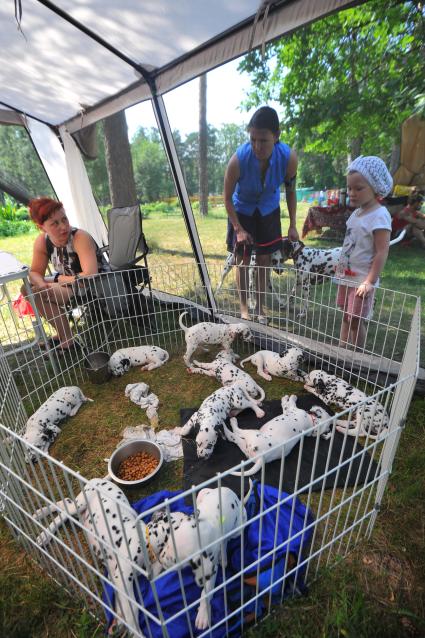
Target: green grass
[378,591]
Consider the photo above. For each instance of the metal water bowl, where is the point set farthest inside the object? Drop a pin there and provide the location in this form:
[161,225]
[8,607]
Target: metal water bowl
[97,367]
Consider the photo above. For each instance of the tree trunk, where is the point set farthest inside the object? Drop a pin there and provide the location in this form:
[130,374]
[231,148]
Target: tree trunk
[355,149]
[17,191]
[203,170]
[395,157]
[122,187]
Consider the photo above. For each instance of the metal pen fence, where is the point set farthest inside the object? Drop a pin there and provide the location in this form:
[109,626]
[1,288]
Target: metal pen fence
[284,537]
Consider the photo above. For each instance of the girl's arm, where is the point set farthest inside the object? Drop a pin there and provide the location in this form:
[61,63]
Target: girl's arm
[291,195]
[381,241]
[231,178]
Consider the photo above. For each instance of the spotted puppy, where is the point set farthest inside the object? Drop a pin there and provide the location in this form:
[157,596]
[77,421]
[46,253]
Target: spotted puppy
[370,419]
[220,516]
[43,426]
[107,519]
[208,333]
[286,428]
[149,357]
[272,364]
[227,373]
[213,412]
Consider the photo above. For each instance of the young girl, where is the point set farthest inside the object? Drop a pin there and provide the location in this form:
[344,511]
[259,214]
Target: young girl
[365,247]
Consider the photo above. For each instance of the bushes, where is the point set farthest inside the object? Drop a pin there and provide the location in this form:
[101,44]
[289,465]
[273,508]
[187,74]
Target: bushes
[14,220]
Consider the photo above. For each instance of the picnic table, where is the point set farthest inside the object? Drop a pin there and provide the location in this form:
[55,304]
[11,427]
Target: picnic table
[334,217]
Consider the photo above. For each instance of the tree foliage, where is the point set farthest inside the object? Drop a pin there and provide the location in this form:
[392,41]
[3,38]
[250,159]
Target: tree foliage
[349,79]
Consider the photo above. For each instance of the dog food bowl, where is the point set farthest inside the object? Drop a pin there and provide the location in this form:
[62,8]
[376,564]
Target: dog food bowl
[134,446]
[97,367]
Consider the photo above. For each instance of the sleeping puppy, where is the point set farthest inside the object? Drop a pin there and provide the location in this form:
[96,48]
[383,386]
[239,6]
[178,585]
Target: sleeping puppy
[370,419]
[43,426]
[213,412]
[227,373]
[208,333]
[271,364]
[149,357]
[104,512]
[220,516]
[285,428]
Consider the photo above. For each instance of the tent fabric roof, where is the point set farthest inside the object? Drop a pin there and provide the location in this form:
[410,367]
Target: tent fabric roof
[95,57]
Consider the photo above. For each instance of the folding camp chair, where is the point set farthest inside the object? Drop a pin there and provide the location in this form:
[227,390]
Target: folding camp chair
[125,291]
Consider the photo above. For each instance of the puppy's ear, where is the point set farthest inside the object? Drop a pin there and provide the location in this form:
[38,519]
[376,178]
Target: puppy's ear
[125,364]
[320,385]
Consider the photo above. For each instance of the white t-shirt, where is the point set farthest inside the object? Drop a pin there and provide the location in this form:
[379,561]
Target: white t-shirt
[358,248]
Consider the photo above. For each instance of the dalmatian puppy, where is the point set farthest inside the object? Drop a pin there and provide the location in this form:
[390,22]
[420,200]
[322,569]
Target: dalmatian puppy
[227,373]
[220,516]
[107,518]
[285,428]
[213,412]
[370,419]
[313,266]
[42,427]
[149,357]
[272,364]
[207,332]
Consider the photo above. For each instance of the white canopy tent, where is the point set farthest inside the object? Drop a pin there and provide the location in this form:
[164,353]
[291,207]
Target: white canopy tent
[73,62]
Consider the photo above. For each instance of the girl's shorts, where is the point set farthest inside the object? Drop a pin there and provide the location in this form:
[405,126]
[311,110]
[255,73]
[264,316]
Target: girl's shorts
[352,305]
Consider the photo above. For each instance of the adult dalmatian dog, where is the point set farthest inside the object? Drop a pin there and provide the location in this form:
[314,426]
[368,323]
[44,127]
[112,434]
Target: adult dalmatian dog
[313,266]
[209,333]
[42,427]
[370,418]
[107,519]
[220,517]
[148,357]
[286,428]
[214,410]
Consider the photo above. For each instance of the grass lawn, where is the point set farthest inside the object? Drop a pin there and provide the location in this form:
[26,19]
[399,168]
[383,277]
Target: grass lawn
[378,590]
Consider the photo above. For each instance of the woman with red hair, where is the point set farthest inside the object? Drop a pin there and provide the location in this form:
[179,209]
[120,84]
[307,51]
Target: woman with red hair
[73,254]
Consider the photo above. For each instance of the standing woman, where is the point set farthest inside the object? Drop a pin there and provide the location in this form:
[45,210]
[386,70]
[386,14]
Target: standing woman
[73,254]
[252,183]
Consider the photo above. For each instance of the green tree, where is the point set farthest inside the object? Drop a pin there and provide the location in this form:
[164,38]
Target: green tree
[152,173]
[20,164]
[347,82]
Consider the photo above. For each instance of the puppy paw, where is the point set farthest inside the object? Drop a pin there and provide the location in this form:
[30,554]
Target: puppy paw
[201,621]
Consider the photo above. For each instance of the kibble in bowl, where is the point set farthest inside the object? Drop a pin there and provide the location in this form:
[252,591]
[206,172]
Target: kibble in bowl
[135,462]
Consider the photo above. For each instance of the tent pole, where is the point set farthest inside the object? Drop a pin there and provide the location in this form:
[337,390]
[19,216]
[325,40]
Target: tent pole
[170,149]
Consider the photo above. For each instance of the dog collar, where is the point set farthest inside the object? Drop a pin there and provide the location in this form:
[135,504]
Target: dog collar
[151,553]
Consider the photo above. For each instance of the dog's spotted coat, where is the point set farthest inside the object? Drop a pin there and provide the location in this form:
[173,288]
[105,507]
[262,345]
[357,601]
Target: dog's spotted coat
[209,333]
[105,514]
[42,427]
[178,530]
[148,357]
[213,412]
[285,428]
[227,374]
[284,364]
[370,419]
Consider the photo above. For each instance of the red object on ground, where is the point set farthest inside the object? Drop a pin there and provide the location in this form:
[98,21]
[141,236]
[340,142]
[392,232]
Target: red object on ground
[22,306]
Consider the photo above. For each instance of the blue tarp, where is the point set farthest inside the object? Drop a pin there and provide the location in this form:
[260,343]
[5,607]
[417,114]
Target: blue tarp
[275,529]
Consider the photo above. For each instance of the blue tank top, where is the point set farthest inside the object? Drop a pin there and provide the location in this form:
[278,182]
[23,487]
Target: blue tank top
[250,193]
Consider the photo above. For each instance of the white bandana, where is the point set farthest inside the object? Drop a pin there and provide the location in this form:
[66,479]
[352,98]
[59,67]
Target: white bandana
[375,172]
